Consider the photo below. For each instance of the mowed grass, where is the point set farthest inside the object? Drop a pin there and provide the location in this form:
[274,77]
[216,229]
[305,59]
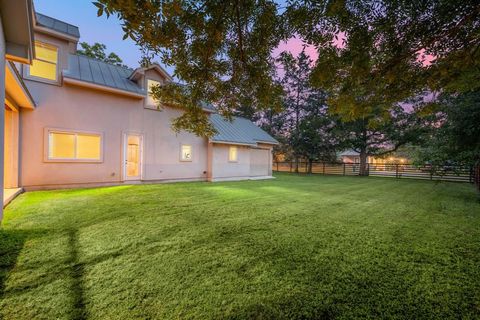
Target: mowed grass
[297,247]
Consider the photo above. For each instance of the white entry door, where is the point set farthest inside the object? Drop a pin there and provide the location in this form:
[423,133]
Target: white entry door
[133,154]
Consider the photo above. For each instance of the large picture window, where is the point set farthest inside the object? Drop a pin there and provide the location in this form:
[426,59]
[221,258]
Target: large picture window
[74,146]
[44,66]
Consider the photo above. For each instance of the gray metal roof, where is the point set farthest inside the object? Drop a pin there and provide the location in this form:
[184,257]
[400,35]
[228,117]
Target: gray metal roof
[349,152]
[240,130]
[98,72]
[57,25]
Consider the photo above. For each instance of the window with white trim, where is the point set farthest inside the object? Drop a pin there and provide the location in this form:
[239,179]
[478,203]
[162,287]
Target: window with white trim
[186,152]
[233,154]
[44,66]
[151,102]
[74,146]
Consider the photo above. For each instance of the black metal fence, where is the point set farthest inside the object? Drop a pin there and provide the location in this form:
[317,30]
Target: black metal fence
[469,174]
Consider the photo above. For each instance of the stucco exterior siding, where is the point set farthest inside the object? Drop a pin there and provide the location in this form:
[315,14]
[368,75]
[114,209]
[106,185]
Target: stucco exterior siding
[11,149]
[79,109]
[2,109]
[223,168]
[260,162]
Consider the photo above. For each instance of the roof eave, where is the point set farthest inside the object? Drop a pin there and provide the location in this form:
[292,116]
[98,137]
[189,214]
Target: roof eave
[56,34]
[233,143]
[268,142]
[18,36]
[95,86]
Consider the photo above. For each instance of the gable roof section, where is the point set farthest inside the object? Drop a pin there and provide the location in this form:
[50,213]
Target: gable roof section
[239,131]
[100,73]
[56,25]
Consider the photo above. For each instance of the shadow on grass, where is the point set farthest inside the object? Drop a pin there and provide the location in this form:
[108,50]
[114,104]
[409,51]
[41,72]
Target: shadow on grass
[77,270]
[11,243]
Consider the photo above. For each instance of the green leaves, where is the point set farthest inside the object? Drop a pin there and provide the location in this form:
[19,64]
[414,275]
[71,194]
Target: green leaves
[97,51]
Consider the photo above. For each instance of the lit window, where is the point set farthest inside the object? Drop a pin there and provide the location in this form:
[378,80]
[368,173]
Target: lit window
[232,154]
[45,64]
[186,153]
[150,100]
[74,146]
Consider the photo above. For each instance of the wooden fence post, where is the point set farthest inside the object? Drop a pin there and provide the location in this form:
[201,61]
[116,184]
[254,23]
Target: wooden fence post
[396,171]
[324,168]
[344,169]
[277,166]
[290,166]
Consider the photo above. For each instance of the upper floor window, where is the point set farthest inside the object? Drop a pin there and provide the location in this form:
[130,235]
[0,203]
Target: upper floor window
[150,100]
[44,66]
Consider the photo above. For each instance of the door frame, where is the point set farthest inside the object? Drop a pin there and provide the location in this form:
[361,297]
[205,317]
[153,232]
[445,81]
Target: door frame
[124,155]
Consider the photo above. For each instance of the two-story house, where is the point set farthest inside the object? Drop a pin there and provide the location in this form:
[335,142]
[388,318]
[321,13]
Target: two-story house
[90,123]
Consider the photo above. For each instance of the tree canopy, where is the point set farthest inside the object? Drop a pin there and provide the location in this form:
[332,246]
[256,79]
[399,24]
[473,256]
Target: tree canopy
[370,52]
[97,51]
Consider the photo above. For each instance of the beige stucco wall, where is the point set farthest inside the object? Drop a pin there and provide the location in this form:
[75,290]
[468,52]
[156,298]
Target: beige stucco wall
[76,108]
[11,149]
[252,162]
[222,168]
[260,162]
[2,109]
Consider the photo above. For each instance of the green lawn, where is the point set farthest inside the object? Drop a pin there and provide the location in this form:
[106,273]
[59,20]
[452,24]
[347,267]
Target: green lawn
[308,247]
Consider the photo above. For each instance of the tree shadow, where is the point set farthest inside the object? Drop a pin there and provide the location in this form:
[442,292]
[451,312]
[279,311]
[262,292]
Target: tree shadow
[11,244]
[77,270]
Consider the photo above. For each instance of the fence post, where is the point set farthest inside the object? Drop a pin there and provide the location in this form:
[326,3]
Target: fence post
[470,178]
[277,166]
[323,168]
[344,169]
[290,166]
[396,171]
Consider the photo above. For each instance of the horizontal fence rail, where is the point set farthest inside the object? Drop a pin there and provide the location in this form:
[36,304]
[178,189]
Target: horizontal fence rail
[400,171]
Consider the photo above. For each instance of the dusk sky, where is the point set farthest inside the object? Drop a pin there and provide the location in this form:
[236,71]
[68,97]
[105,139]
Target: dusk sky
[83,14]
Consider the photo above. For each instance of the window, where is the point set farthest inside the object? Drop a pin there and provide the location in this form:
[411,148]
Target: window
[151,102]
[186,153]
[72,146]
[233,154]
[45,64]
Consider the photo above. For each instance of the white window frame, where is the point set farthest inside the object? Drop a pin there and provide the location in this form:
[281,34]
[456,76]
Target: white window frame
[27,75]
[181,152]
[75,132]
[236,154]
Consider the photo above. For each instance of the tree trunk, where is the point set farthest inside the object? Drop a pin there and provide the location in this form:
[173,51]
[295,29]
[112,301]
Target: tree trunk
[296,164]
[363,163]
[310,163]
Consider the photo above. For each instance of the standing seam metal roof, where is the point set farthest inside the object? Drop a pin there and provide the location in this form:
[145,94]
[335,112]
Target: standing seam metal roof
[240,130]
[57,25]
[98,72]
